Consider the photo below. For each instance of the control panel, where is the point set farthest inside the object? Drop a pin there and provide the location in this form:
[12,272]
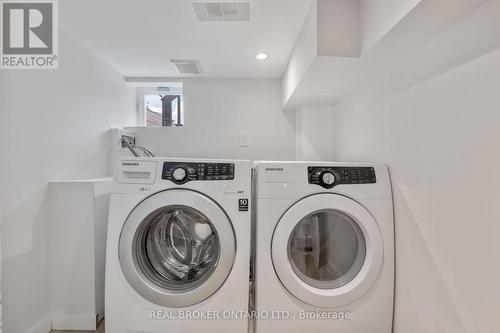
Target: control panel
[329,177]
[180,173]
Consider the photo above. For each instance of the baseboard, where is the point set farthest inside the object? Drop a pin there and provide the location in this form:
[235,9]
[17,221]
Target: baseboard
[100,316]
[84,322]
[43,326]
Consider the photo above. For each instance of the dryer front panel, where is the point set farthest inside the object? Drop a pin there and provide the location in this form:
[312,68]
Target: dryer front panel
[170,248]
[327,250]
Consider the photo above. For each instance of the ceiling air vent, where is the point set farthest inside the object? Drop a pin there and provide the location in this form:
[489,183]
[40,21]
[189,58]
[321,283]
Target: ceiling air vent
[186,66]
[222,11]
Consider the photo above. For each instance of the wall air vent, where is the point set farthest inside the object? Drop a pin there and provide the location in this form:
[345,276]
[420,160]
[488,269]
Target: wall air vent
[186,66]
[222,11]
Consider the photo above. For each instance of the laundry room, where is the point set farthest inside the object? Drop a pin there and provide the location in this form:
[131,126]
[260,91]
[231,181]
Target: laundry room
[261,166]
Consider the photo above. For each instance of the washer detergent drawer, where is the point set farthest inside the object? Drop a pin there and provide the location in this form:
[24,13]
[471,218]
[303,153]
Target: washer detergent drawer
[137,172]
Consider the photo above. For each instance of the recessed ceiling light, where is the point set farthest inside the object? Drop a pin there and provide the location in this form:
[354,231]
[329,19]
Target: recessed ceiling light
[261,56]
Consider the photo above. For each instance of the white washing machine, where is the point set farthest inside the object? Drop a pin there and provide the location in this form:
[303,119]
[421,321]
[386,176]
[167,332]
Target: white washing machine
[178,246]
[324,248]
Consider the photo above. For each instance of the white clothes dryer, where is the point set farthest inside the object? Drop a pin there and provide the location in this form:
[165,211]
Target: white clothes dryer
[324,248]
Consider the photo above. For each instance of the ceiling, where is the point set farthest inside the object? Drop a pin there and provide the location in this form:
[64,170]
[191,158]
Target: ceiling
[138,38]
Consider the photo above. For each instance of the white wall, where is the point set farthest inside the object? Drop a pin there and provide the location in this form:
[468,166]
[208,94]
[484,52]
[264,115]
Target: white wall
[303,54]
[314,134]
[216,112]
[338,23]
[53,125]
[441,139]
[331,32]
[379,16]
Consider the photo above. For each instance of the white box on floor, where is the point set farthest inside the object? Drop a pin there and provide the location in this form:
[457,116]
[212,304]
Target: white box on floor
[78,227]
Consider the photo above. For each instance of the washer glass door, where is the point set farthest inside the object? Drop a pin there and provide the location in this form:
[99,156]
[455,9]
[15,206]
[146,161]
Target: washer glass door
[177,248]
[171,248]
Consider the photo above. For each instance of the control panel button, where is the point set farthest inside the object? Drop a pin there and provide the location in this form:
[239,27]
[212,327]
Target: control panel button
[179,174]
[328,178]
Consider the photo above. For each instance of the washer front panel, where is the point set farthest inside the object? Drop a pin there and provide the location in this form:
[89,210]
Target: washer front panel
[327,250]
[177,248]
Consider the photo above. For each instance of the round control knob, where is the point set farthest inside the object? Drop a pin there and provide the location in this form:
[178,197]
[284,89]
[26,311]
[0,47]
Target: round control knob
[328,178]
[179,174]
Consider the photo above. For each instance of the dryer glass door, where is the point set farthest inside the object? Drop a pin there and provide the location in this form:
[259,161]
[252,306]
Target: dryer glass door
[177,248]
[327,250]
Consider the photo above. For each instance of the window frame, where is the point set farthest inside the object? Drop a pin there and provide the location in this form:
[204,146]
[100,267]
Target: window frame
[174,89]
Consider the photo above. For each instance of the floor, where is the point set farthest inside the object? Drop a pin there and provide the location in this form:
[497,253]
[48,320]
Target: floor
[100,329]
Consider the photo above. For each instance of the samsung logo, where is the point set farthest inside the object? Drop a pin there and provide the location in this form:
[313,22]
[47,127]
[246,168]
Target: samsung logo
[274,169]
[130,164]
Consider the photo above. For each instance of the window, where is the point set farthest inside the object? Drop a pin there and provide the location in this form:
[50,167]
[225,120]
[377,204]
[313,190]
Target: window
[160,106]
